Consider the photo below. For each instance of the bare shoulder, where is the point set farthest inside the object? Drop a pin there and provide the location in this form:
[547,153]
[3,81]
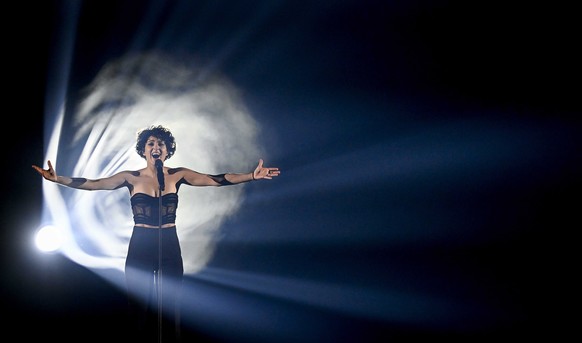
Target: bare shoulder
[135,172]
[180,171]
[192,177]
[128,174]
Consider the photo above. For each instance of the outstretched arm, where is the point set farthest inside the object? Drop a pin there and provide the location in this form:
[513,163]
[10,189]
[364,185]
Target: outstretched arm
[261,172]
[113,182]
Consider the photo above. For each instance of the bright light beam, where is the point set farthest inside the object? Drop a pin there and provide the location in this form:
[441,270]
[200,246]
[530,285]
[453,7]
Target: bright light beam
[49,239]
[214,133]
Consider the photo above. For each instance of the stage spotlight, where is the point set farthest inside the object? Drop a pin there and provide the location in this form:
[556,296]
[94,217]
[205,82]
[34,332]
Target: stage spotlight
[209,120]
[49,239]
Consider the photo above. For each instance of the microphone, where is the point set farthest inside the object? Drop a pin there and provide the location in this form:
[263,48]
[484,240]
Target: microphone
[160,169]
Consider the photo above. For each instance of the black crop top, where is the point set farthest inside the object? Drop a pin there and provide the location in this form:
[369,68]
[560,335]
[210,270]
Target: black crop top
[146,208]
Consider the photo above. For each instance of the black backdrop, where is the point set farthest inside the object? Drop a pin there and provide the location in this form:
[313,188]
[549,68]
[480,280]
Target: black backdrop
[395,70]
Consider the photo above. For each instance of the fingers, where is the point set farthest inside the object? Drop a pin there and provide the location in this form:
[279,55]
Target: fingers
[272,172]
[266,172]
[46,173]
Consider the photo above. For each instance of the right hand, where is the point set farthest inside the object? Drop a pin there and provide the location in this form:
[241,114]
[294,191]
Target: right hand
[48,174]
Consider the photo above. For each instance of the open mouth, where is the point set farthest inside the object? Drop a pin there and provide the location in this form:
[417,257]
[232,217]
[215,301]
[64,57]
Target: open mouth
[156,156]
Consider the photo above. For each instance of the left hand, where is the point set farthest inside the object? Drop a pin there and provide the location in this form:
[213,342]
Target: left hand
[265,172]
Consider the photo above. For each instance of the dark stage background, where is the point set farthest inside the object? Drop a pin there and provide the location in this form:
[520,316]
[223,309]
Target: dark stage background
[430,153]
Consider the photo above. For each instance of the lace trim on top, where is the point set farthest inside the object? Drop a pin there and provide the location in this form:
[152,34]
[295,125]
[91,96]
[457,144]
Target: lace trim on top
[146,209]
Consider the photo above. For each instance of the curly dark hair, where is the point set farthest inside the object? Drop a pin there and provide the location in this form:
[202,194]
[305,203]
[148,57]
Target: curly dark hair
[159,132]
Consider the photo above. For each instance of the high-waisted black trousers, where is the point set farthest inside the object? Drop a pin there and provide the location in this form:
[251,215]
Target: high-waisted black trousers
[153,274]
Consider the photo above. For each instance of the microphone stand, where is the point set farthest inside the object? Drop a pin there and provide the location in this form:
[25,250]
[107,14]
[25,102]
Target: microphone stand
[159,274]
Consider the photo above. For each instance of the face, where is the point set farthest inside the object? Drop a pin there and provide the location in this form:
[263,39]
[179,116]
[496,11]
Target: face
[155,148]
